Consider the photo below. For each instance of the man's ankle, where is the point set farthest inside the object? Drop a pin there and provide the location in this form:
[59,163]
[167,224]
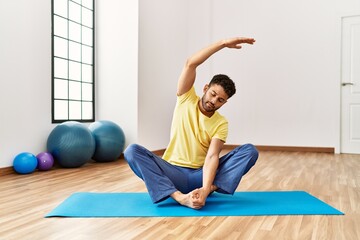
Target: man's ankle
[177,196]
[213,188]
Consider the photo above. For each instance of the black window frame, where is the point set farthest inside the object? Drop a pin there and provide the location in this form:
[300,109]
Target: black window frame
[53,57]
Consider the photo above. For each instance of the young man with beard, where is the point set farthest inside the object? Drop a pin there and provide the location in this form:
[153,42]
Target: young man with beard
[191,167]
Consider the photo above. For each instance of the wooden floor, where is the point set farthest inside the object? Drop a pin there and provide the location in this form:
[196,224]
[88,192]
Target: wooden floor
[334,178]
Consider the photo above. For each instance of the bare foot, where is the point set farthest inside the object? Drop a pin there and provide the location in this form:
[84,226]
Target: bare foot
[187,200]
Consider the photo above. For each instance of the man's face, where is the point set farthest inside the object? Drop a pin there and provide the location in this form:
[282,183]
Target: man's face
[214,97]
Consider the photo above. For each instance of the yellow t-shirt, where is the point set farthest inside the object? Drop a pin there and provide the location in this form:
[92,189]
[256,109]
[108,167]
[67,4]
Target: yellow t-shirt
[192,131]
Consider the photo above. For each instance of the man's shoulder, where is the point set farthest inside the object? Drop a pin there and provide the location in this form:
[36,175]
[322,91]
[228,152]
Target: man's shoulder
[188,96]
[219,117]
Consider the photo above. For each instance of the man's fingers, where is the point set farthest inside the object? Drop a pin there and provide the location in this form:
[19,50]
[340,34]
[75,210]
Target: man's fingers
[237,42]
[197,205]
[248,40]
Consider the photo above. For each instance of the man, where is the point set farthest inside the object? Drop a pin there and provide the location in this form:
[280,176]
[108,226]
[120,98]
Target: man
[191,167]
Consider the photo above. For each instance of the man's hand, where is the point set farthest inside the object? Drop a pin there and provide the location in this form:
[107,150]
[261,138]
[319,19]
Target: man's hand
[199,197]
[236,42]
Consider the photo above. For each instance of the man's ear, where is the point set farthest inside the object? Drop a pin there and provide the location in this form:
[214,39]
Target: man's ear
[206,87]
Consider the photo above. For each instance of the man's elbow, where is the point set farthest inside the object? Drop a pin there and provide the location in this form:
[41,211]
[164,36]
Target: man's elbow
[191,64]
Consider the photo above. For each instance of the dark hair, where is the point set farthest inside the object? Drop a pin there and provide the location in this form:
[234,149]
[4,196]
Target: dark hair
[224,81]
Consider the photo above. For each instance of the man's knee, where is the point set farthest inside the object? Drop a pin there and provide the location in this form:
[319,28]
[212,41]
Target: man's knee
[136,152]
[251,151]
[131,151]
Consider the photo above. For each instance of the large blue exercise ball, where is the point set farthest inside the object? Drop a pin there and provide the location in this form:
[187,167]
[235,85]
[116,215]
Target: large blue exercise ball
[25,163]
[110,140]
[71,144]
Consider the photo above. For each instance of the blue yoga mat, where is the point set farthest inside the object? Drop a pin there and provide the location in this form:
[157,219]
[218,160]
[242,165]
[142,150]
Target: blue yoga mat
[240,204]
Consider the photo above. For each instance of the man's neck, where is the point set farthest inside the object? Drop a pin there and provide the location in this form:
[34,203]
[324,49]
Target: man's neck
[204,112]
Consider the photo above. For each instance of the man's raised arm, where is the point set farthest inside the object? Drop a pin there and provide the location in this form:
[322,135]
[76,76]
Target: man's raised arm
[188,74]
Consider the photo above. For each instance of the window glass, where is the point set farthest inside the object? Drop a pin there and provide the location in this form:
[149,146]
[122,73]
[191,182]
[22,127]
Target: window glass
[73,84]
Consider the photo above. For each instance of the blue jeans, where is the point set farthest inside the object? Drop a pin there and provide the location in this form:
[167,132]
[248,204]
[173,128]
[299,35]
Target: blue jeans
[162,178]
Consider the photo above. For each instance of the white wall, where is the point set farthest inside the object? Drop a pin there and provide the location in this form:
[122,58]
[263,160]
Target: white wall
[162,48]
[25,72]
[117,64]
[25,77]
[288,82]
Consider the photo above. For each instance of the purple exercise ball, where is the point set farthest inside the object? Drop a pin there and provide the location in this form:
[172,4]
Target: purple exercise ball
[45,161]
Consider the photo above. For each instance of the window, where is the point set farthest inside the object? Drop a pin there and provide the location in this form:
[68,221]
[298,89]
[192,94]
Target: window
[73,52]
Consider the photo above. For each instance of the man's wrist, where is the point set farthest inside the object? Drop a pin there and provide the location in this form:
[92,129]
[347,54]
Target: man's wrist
[207,190]
[223,43]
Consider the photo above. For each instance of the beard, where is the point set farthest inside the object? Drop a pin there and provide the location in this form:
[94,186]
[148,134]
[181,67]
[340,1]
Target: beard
[207,105]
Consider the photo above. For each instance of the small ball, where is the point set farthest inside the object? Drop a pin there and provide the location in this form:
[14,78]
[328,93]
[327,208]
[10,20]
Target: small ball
[25,163]
[45,161]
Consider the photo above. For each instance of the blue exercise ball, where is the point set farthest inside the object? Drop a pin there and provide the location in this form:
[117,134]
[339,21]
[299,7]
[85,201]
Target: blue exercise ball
[71,144]
[25,163]
[110,140]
